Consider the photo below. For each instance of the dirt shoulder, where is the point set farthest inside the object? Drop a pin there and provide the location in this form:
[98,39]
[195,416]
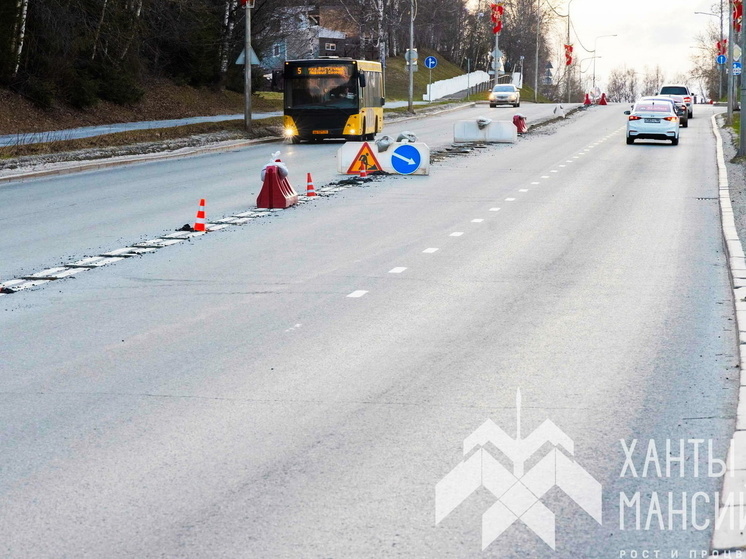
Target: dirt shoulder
[162,100]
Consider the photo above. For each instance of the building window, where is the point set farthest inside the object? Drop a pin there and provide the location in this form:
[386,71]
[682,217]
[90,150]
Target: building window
[330,46]
[276,50]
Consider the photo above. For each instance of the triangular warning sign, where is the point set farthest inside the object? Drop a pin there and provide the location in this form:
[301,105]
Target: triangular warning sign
[365,159]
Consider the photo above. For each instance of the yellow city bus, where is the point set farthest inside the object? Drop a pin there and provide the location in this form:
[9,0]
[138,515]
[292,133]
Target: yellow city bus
[333,98]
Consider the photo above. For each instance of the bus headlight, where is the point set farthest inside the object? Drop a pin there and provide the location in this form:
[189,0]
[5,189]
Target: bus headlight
[289,132]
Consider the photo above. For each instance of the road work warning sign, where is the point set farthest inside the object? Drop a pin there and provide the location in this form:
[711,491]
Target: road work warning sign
[365,159]
[401,158]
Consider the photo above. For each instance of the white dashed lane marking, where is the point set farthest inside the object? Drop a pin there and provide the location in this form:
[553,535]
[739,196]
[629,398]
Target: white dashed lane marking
[358,293]
[523,190]
[494,209]
[477,220]
[456,234]
[430,250]
[396,270]
[510,199]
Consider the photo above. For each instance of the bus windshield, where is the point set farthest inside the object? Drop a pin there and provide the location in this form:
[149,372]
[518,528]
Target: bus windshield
[322,87]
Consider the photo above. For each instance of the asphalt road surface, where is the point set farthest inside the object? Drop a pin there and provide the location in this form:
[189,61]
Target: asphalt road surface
[300,385]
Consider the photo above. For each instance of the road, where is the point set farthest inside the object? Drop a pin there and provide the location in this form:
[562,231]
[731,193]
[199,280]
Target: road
[298,386]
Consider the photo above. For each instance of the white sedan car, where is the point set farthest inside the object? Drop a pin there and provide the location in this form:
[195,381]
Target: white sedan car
[652,119]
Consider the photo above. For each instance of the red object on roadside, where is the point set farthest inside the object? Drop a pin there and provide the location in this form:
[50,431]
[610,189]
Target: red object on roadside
[587,100]
[520,123]
[276,191]
[603,100]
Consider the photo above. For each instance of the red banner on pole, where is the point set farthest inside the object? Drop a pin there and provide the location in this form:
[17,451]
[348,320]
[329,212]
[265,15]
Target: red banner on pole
[568,55]
[737,15]
[497,17]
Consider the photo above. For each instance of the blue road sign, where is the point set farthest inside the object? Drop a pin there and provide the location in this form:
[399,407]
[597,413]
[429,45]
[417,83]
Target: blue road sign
[406,159]
[736,68]
[721,59]
[431,62]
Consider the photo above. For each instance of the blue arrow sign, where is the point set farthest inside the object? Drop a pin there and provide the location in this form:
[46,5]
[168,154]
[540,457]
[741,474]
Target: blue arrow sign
[721,59]
[431,62]
[736,68]
[406,159]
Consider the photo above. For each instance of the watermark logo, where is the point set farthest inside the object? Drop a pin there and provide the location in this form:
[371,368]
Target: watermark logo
[518,493]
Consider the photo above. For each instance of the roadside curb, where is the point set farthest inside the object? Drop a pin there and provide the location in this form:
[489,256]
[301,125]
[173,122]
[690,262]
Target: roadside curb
[69,167]
[76,167]
[727,539]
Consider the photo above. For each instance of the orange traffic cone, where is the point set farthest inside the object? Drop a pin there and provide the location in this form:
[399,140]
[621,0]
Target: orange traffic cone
[199,224]
[363,172]
[310,191]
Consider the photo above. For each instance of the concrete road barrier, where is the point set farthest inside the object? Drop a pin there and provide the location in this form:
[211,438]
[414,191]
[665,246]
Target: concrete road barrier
[497,131]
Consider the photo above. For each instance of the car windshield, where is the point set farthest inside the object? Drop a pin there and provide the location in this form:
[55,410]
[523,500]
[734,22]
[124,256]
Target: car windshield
[504,88]
[672,89]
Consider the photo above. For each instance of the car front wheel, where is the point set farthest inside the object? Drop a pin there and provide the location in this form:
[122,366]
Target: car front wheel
[630,141]
[674,141]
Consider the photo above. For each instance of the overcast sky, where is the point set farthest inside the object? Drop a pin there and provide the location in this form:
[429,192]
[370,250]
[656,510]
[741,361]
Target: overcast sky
[649,32]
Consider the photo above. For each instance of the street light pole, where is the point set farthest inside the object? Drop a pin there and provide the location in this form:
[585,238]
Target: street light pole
[594,57]
[411,56]
[536,59]
[722,67]
[568,73]
[742,144]
[247,70]
[730,72]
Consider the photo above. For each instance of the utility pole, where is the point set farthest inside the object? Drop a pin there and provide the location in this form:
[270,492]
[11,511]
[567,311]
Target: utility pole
[247,68]
[569,73]
[497,55]
[742,144]
[411,55]
[536,58]
[731,95]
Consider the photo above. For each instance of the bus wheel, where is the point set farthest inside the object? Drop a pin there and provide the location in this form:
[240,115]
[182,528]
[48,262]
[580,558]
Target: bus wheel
[295,139]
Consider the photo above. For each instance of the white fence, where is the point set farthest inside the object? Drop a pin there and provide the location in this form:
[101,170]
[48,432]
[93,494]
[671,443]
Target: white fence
[475,81]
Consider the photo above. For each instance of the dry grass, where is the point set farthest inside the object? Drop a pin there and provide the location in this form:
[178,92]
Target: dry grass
[232,129]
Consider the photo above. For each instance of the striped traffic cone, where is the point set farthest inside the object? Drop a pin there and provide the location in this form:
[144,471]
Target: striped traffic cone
[310,191]
[363,172]
[199,224]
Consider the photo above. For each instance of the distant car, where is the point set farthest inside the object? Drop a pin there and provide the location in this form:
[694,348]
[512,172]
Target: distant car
[652,119]
[505,94]
[678,89]
[682,111]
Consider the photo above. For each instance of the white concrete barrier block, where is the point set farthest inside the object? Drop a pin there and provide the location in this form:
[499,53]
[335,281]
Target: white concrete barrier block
[497,131]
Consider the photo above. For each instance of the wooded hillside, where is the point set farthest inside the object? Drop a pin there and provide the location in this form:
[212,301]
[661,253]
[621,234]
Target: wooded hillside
[82,51]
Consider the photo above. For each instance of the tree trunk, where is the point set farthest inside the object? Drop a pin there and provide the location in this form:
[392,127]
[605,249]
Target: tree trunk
[227,32]
[136,7]
[19,35]
[98,29]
